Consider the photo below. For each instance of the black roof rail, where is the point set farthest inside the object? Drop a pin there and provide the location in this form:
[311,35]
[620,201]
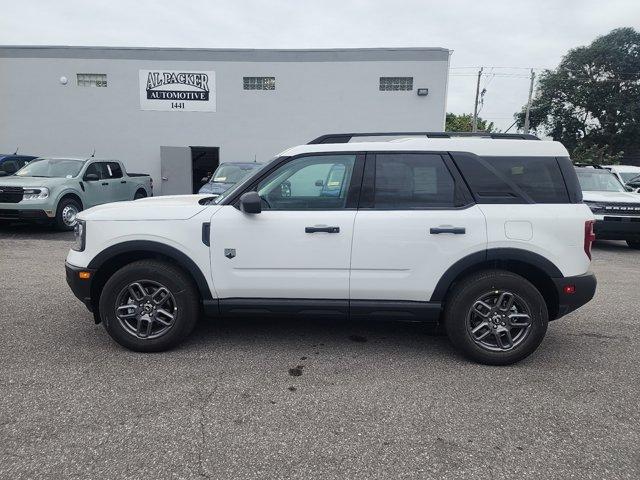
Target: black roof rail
[346,137]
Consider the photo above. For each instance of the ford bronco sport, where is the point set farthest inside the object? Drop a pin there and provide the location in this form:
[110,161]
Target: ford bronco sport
[484,234]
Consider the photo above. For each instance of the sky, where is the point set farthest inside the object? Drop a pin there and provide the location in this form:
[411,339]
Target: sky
[506,37]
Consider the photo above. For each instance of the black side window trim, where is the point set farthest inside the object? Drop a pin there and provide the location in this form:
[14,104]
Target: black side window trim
[462,196]
[353,196]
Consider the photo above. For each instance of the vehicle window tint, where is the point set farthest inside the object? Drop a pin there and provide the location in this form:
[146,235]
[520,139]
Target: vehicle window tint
[405,181]
[538,177]
[313,183]
[114,170]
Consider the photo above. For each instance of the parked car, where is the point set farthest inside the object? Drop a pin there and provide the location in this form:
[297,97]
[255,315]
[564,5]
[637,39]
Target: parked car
[54,190]
[616,210]
[488,236]
[226,176]
[11,163]
[624,173]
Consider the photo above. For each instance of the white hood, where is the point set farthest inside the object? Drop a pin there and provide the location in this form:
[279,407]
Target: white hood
[611,197]
[170,207]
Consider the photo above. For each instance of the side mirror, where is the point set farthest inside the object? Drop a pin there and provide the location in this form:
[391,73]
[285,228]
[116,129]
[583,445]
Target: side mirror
[319,183]
[251,202]
[91,177]
[3,173]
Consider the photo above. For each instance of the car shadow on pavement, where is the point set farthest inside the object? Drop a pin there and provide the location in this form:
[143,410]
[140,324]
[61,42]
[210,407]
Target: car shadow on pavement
[611,246]
[33,231]
[315,332]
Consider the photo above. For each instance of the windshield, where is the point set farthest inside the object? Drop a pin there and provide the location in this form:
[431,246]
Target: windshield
[51,168]
[228,173]
[599,182]
[628,176]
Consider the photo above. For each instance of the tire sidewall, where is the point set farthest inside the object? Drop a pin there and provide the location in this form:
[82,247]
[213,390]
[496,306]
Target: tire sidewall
[471,290]
[174,280]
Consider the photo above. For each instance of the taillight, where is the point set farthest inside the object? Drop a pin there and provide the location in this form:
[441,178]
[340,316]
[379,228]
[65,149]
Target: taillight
[589,236]
[151,183]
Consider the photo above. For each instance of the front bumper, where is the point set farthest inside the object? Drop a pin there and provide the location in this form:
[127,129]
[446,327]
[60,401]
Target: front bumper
[80,287]
[584,288]
[617,228]
[24,214]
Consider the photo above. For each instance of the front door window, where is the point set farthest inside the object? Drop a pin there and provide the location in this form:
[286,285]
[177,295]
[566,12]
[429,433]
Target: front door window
[309,183]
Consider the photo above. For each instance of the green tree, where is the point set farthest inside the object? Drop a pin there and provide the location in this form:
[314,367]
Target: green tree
[464,123]
[591,101]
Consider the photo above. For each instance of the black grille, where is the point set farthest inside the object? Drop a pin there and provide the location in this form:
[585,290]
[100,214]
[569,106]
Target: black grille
[620,209]
[11,194]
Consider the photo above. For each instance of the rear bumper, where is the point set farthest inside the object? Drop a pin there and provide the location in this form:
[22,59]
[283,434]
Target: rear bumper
[23,215]
[584,290]
[81,288]
[618,228]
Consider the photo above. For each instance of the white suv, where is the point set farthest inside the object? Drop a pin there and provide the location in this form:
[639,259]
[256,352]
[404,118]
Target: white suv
[617,211]
[486,235]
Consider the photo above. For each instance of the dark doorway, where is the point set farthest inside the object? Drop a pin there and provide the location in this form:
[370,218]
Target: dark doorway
[204,161]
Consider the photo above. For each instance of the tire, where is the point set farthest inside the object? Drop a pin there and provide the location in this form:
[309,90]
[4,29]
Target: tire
[140,194]
[183,306]
[66,212]
[634,244]
[503,322]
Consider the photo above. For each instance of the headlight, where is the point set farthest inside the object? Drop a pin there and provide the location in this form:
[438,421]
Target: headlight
[595,207]
[80,234]
[35,193]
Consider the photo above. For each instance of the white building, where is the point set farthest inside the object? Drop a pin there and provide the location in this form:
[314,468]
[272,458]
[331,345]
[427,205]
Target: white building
[162,110]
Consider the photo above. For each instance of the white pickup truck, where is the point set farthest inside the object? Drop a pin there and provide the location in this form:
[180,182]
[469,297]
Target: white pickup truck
[487,235]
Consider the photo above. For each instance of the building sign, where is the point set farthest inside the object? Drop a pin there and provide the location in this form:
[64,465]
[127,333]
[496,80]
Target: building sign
[177,90]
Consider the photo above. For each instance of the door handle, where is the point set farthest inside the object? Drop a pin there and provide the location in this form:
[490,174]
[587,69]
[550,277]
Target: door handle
[454,230]
[105,183]
[165,178]
[321,229]
[123,181]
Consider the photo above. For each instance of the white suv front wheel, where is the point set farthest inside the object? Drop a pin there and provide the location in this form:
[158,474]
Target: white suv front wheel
[149,305]
[496,317]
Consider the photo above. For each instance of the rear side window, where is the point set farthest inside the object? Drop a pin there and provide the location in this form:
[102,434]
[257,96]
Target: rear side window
[538,177]
[513,179]
[412,180]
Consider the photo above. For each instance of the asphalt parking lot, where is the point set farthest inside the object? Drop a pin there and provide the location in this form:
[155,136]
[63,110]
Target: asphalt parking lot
[284,399]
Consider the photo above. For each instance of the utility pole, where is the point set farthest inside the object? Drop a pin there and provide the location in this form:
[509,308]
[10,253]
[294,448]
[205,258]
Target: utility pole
[526,115]
[474,126]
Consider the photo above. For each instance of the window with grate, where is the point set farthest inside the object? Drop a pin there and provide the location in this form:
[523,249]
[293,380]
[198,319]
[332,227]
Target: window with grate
[394,84]
[92,79]
[259,83]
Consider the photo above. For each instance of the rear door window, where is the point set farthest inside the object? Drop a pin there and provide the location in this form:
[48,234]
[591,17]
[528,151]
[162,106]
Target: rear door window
[114,170]
[412,180]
